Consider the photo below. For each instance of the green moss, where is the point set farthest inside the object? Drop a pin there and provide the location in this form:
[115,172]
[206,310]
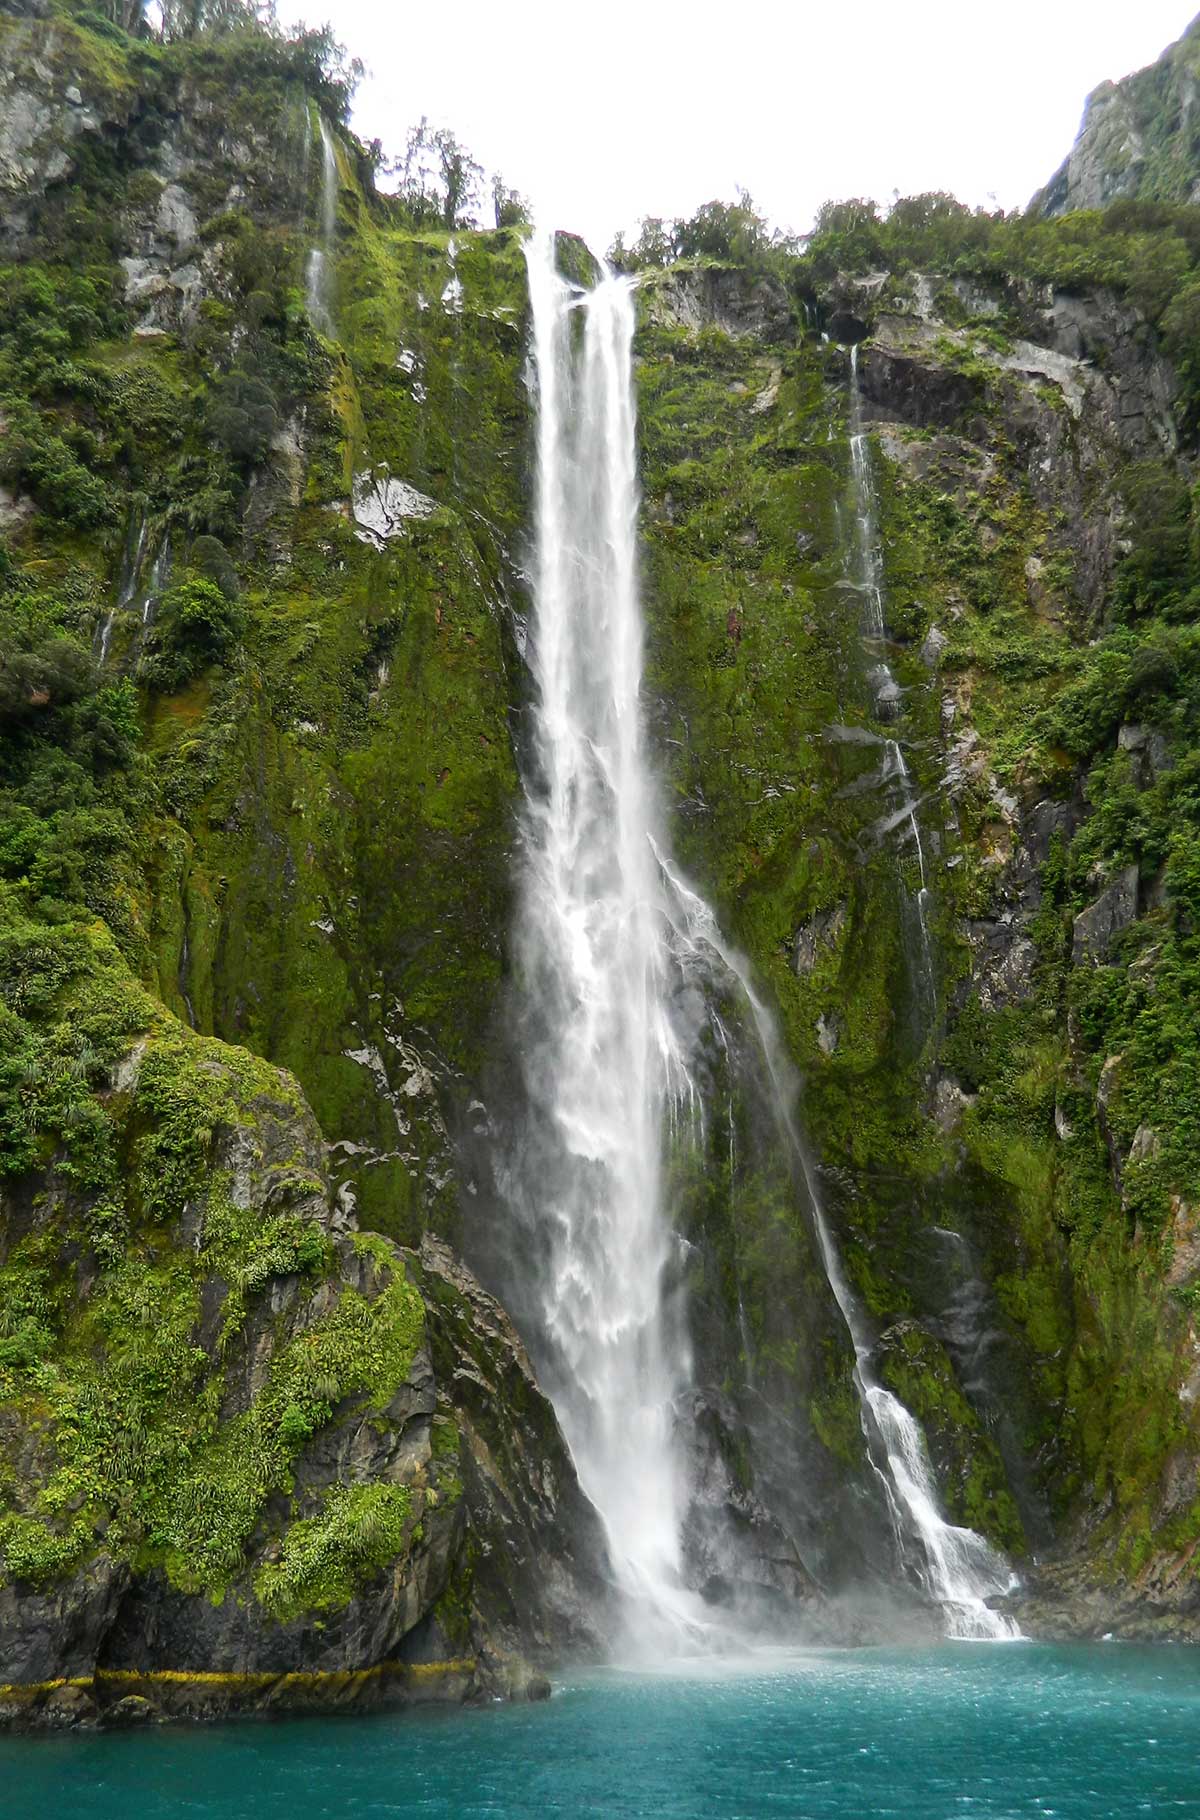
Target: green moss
[970,1471]
[327,1559]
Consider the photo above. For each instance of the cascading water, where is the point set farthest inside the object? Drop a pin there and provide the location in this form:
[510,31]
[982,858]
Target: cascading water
[318,272]
[603,1064]
[127,586]
[894,776]
[608,931]
[957,1569]
[138,590]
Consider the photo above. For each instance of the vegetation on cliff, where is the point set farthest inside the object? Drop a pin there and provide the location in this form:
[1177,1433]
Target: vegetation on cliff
[260,697]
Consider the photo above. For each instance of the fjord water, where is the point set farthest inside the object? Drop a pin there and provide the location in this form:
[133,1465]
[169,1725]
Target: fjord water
[961,1732]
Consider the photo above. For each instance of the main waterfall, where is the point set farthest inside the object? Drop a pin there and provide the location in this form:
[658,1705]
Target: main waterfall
[616,952]
[603,1064]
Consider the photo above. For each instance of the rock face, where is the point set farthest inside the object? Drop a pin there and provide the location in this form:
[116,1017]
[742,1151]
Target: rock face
[1112,911]
[726,300]
[369,1499]
[258,1421]
[1137,138]
[56,93]
[1081,390]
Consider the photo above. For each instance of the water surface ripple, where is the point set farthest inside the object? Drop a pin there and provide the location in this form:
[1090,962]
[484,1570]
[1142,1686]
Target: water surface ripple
[958,1732]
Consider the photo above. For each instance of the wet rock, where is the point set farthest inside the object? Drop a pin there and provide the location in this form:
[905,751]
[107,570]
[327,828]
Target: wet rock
[1145,1146]
[130,1710]
[1108,1092]
[1042,598]
[910,383]
[1184,1267]
[821,932]
[176,220]
[381,505]
[933,645]
[949,1103]
[1093,352]
[1066,1599]
[16,509]
[57,1632]
[1149,749]
[737,302]
[737,1554]
[64,1708]
[1011,978]
[543,1582]
[1095,928]
[501,1560]
[276,489]
[887,693]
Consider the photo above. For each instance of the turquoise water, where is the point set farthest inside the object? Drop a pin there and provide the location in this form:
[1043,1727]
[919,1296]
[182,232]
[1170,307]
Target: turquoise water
[973,1732]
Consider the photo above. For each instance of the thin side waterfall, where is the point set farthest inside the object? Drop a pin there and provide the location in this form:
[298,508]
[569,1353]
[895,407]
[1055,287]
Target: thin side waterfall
[127,586]
[958,1570]
[605,1071]
[886,693]
[318,274]
[138,590]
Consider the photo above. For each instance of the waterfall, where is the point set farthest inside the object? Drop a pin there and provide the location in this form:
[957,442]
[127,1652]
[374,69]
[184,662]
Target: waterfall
[611,946]
[318,274]
[605,1070]
[957,1569]
[138,589]
[888,697]
[127,585]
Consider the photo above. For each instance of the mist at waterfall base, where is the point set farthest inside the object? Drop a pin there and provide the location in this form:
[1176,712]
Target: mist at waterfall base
[1105,1732]
[626,992]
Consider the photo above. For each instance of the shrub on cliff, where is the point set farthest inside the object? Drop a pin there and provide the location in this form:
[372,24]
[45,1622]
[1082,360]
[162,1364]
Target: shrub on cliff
[196,626]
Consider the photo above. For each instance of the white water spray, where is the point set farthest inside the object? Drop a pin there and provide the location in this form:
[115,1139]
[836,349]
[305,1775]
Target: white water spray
[138,591]
[605,1070]
[319,270]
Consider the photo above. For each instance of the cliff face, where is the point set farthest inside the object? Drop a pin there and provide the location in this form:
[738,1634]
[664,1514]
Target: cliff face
[254,1452]
[1027,1260]
[262,688]
[1140,138]
[255,1457]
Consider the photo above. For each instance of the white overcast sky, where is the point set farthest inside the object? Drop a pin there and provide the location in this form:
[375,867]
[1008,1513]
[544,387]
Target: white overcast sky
[605,112]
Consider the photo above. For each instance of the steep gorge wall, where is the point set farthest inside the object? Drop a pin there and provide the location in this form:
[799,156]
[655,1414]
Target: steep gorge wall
[286,845]
[1024,1247]
[1140,137]
[258,774]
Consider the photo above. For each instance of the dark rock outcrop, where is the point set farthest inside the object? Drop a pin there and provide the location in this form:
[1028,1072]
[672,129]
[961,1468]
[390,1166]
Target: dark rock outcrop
[415,1532]
[1114,910]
